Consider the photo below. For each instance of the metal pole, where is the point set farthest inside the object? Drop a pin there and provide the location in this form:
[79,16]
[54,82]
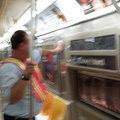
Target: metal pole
[30,53]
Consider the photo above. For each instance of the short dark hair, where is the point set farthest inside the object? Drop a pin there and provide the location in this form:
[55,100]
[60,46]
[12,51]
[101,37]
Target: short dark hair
[17,38]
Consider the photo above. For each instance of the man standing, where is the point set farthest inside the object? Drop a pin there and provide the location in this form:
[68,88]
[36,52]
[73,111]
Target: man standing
[14,78]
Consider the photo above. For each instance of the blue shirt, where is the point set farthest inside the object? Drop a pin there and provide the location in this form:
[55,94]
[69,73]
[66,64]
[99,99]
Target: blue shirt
[36,55]
[9,76]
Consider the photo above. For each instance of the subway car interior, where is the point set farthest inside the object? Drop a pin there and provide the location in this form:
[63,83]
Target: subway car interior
[86,74]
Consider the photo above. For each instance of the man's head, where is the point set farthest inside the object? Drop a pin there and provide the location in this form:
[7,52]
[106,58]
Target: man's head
[20,42]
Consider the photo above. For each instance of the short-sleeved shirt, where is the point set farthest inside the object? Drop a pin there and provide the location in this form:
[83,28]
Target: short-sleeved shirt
[9,76]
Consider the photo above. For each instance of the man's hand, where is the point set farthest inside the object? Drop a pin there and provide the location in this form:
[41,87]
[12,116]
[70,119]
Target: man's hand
[29,69]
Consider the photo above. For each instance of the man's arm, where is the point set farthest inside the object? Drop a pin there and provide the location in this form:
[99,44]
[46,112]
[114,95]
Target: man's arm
[18,89]
[59,48]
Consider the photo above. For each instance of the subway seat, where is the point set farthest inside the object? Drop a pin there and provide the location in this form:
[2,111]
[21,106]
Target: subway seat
[54,108]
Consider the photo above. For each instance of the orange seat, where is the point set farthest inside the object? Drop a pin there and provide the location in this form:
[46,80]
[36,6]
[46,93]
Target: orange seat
[59,110]
[47,106]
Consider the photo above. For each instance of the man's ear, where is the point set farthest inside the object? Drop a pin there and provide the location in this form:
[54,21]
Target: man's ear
[21,46]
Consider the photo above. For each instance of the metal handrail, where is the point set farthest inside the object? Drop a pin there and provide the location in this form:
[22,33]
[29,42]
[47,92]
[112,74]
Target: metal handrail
[116,5]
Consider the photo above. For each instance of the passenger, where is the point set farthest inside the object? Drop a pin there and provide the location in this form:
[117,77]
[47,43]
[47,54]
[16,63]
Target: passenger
[15,75]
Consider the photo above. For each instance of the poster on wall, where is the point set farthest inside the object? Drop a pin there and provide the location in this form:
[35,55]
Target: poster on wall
[89,6]
[50,18]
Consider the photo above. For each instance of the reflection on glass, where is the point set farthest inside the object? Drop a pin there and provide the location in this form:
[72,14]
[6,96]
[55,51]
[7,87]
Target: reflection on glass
[51,68]
[103,62]
[98,90]
[63,72]
[93,5]
[62,67]
[95,43]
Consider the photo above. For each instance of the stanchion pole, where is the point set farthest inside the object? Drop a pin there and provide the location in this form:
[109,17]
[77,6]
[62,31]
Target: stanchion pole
[30,53]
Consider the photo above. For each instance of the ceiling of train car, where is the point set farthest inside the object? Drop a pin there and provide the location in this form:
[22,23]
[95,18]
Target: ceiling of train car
[10,12]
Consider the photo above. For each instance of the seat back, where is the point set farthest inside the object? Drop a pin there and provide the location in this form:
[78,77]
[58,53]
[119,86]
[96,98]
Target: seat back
[59,110]
[48,104]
